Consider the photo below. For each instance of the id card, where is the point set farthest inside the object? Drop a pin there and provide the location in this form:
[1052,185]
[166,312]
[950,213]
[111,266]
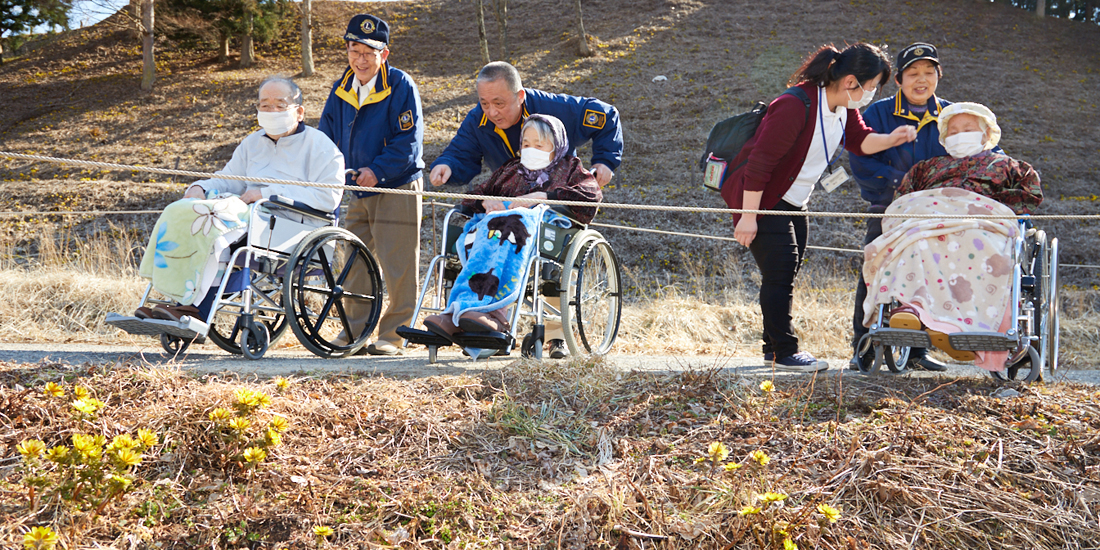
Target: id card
[833,180]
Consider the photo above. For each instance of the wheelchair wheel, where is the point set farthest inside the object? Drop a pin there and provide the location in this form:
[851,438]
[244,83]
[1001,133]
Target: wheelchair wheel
[318,302]
[267,308]
[1028,369]
[173,345]
[592,295]
[254,340]
[896,358]
[1049,324]
[868,363]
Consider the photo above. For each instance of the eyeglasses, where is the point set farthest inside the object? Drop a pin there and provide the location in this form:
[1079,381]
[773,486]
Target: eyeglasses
[363,55]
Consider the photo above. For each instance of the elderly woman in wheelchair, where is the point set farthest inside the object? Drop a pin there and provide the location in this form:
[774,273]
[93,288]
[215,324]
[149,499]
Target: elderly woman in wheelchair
[506,243]
[977,283]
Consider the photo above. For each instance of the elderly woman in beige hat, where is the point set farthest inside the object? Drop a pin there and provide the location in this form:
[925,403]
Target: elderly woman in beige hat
[969,132]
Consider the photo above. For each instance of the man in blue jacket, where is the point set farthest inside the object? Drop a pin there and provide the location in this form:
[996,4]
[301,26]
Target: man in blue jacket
[880,174]
[374,116]
[491,130]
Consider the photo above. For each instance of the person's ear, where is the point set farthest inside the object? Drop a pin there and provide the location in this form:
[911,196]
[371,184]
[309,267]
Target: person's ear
[301,113]
[521,95]
[385,54]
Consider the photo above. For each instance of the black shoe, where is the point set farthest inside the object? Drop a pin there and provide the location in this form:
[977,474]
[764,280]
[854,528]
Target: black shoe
[927,363]
[558,349]
[856,361]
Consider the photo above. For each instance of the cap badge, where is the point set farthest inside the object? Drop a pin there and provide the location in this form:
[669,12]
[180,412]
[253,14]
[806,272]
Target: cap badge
[367,26]
[918,52]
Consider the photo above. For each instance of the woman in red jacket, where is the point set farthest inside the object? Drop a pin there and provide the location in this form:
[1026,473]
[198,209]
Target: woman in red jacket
[793,149]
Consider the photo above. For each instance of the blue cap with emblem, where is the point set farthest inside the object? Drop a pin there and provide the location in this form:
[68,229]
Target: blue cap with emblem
[369,30]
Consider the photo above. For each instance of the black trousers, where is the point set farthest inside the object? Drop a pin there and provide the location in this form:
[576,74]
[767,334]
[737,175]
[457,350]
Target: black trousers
[778,249]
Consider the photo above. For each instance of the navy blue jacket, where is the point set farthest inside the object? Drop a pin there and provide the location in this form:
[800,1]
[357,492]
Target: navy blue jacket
[584,118]
[386,134]
[880,174]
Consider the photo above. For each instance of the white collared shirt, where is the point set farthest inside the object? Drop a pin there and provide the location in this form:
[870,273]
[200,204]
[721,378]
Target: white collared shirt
[816,162]
[363,90]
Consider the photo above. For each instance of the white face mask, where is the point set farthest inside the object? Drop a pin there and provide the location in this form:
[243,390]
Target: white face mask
[534,159]
[964,144]
[279,122]
[864,101]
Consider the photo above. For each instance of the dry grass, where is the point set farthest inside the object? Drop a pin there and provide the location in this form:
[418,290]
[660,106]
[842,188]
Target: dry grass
[574,455]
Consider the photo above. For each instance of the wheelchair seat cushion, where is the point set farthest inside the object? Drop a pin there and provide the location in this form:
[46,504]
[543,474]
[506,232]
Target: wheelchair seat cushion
[957,273]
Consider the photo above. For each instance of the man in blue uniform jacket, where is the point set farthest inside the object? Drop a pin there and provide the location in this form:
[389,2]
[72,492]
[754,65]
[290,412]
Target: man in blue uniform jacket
[373,114]
[491,130]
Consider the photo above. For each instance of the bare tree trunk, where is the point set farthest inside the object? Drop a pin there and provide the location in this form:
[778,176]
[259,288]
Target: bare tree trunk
[223,47]
[502,22]
[307,38]
[248,54]
[484,42]
[1,53]
[148,62]
[1040,8]
[582,39]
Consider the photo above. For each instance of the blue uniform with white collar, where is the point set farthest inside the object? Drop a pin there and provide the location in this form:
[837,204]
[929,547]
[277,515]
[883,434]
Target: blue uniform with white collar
[584,118]
[385,134]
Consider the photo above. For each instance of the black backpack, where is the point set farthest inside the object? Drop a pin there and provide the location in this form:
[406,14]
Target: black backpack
[728,137]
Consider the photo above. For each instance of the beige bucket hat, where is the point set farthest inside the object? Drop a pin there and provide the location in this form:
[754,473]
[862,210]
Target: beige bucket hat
[976,109]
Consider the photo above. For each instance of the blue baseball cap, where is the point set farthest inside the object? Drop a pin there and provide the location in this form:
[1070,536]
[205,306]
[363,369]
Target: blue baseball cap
[369,30]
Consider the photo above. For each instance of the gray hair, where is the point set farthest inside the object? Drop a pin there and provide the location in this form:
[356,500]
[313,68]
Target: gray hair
[295,92]
[542,128]
[499,70]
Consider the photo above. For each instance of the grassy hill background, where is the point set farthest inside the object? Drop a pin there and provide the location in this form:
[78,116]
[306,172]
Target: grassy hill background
[77,96]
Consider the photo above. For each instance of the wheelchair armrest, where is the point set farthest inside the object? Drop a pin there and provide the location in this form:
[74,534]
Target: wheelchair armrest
[280,202]
[465,210]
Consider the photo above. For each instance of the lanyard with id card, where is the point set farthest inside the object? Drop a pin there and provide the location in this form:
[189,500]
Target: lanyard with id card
[832,177]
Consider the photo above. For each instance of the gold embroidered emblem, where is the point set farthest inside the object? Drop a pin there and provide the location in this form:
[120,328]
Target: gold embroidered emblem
[406,120]
[918,52]
[367,26]
[594,119]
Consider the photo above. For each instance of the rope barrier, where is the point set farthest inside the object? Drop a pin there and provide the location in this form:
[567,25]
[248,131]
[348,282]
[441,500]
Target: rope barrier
[434,194]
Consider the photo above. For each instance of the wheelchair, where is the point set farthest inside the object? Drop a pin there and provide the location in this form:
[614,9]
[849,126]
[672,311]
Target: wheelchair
[1032,343]
[575,264]
[288,271]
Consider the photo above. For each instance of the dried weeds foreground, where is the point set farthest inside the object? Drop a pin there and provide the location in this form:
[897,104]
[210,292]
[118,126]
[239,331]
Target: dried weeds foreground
[574,455]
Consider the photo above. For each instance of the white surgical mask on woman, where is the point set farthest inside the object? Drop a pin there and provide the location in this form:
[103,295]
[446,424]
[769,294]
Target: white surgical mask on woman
[864,101]
[534,159]
[278,122]
[964,144]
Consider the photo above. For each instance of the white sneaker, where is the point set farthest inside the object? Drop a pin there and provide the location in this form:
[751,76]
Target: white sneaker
[800,362]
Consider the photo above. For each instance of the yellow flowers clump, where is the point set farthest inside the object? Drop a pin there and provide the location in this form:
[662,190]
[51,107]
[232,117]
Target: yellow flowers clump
[272,437]
[254,454]
[220,414]
[128,457]
[87,405]
[748,511]
[279,424]
[52,388]
[729,467]
[148,438]
[249,400]
[767,386]
[772,497]
[40,538]
[322,531]
[89,446]
[122,441]
[760,457]
[281,383]
[81,392]
[830,513]
[57,454]
[718,451]
[31,448]
[240,424]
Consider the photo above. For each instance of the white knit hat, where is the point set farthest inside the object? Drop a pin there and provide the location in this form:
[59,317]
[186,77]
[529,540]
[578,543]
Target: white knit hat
[976,109]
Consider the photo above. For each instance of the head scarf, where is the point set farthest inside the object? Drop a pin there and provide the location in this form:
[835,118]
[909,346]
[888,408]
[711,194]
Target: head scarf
[536,178]
[977,109]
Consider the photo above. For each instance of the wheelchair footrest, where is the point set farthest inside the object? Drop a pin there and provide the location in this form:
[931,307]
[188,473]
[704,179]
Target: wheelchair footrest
[190,329]
[485,340]
[981,341]
[901,337]
[422,337]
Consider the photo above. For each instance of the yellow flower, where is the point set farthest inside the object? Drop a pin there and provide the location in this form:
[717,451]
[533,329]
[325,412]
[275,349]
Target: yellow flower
[279,424]
[830,513]
[760,457]
[57,454]
[731,467]
[262,399]
[87,406]
[87,445]
[81,392]
[128,457]
[281,383]
[767,386]
[52,388]
[718,451]
[122,441]
[239,424]
[246,397]
[147,437]
[254,454]
[219,414]
[272,437]
[322,531]
[789,544]
[748,511]
[772,497]
[40,538]
[31,448]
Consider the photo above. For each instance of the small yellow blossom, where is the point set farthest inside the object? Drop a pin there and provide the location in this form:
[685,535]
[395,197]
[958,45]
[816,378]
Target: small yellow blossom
[272,437]
[718,451]
[220,414]
[128,457]
[281,383]
[748,511]
[31,448]
[262,399]
[699,460]
[147,437]
[254,454]
[122,441]
[772,497]
[54,389]
[240,424]
[81,392]
[830,513]
[731,466]
[87,405]
[789,544]
[245,396]
[279,424]
[87,445]
[40,538]
[322,531]
[57,454]
[760,457]
[767,386]
[120,481]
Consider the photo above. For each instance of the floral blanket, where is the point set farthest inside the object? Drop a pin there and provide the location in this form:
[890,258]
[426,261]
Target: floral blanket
[188,240]
[956,273]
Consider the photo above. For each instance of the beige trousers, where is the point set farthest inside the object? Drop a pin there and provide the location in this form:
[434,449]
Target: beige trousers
[390,227]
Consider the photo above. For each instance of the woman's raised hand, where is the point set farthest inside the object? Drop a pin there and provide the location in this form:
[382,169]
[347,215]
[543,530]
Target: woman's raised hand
[903,134]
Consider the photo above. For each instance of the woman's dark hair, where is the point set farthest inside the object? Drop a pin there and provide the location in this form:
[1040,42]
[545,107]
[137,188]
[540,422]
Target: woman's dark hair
[828,65]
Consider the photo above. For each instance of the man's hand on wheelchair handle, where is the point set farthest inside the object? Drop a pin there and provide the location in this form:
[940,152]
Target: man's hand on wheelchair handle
[602,173]
[366,178]
[251,195]
[194,192]
[440,174]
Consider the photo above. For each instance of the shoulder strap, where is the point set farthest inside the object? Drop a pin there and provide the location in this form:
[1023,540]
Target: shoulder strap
[800,94]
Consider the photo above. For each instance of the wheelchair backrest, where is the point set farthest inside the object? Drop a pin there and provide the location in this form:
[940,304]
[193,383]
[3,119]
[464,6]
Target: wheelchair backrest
[279,230]
[553,240]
